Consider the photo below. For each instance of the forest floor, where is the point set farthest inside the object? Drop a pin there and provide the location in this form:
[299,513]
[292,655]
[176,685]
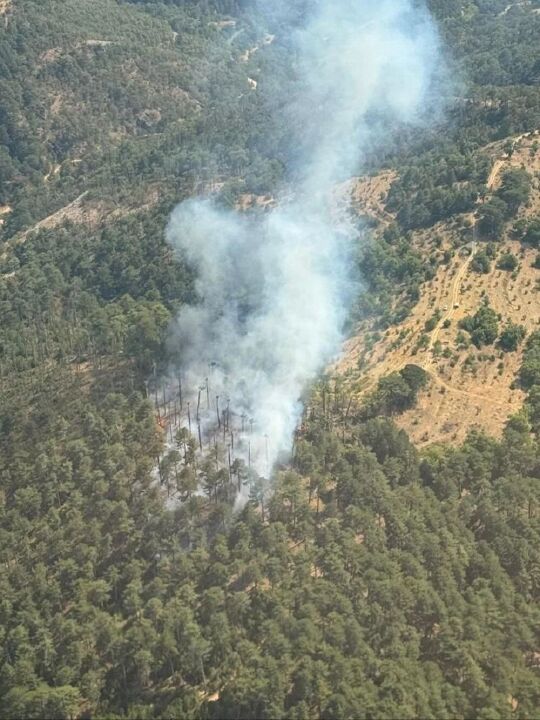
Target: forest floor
[469,388]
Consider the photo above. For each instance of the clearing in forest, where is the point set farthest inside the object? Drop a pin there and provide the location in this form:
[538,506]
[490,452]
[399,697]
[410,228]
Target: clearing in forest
[469,387]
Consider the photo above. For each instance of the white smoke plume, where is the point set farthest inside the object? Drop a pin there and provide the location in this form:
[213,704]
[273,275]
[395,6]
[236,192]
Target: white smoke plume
[275,288]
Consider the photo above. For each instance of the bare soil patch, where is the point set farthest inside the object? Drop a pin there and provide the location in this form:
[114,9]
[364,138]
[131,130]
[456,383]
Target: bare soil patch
[470,387]
[4,210]
[367,195]
[249,201]
[267,40]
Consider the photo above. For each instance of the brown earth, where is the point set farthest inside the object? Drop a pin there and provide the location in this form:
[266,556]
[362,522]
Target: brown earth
[367,195]
[469,387]
[4,210]
[53,171]
[267,40]
[249,201]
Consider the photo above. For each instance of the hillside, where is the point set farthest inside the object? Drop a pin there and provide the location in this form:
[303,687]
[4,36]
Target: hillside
[470,387]
[116,99]
[389,565]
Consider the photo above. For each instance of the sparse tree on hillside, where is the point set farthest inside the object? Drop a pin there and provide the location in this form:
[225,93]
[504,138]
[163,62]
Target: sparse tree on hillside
[492,217]
[483,326]
[515,189]
[511,337]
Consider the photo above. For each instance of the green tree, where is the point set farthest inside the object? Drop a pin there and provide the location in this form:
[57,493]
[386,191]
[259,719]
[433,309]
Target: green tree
[515,189]
[492,217]
[511,337]
[483,326]
[530,369]
[481,263]
[507,261]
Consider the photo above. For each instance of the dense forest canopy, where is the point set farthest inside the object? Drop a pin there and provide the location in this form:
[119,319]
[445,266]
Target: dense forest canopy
[375,580]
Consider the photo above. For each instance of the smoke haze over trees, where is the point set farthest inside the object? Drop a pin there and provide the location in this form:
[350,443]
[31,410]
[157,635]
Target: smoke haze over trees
[274,290]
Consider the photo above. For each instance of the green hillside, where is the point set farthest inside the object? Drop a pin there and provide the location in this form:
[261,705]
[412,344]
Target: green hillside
[377,580]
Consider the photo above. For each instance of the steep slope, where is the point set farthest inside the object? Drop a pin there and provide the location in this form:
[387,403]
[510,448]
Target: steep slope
[469,387]
[118,98]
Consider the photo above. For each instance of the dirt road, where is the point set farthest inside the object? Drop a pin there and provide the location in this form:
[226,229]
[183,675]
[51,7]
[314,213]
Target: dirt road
[494,174]
[452,288]
[55,219]
[464,393]
[460,276]
[453,306]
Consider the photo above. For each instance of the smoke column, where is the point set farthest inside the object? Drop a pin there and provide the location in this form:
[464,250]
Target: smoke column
[275,289]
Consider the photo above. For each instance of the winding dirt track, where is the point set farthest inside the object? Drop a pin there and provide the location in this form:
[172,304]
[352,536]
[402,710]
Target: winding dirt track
[54,219]
[457,391]
[427,364]
[456,290]
[428,361]
[496,169]
[466,389]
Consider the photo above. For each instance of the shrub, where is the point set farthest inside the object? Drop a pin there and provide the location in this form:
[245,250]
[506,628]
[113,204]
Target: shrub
[511,337]
[481,263]
[507,261]
[483,326]
[515,189]
[530,370]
